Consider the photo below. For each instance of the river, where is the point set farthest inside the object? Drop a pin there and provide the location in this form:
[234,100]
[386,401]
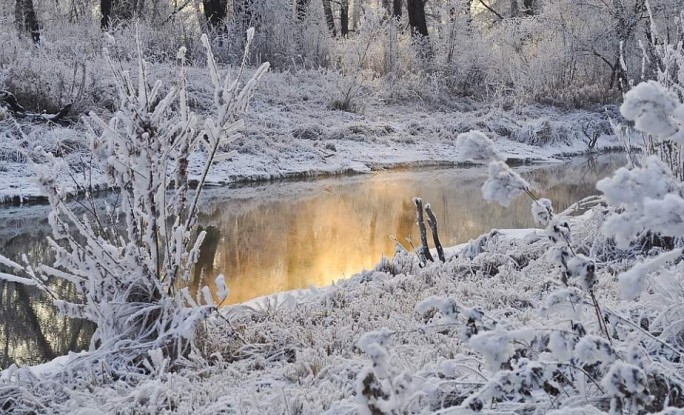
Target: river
[272,237]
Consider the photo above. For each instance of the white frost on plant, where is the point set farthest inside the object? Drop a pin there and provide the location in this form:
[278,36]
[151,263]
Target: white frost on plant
[221,288]
[476,146]
[650,106]
[562,344]
[494,346]
[582,410]
[381,337]
[566,302]
[631,186]
[628,384]
[559,254]
[584,269]
[647,196]
[665,216]
[446,306]
[503,184]
[593,349]
[381,360]
[633,281]
[542,211]
[559,230]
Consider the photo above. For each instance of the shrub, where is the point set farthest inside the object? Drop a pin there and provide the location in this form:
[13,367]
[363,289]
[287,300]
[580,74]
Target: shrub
[132,282]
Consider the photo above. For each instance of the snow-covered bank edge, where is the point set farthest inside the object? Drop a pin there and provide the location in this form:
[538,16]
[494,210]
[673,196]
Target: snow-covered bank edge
[292,133]
[16,189]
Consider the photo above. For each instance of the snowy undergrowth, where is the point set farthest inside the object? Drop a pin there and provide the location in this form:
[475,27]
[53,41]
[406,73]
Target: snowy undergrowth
[132,283]
[310,354]
[292,132]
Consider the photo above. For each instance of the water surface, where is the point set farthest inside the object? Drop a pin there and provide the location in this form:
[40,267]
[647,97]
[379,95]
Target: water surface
[281,236]
[286,236]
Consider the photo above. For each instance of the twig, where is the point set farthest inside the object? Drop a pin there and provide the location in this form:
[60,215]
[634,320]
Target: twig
[599,316]
[486,6]
[425,250]
[432,221]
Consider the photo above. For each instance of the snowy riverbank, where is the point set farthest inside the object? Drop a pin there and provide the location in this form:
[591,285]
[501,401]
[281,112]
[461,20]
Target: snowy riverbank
[291,132]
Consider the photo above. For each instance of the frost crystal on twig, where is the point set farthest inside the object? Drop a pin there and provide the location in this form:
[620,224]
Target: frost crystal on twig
[503,184]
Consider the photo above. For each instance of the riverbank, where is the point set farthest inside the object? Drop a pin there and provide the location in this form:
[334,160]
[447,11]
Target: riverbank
[291,132]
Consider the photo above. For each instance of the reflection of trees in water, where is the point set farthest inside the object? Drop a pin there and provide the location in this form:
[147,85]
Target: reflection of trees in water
[31,329]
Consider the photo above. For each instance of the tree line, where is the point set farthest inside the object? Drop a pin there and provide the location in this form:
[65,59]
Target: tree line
[216,13]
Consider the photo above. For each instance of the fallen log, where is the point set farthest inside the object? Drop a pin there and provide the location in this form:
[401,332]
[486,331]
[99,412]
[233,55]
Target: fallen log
[20,112]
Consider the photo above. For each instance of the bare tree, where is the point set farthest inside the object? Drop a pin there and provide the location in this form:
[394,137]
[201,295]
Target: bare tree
[528,7]
[243,12]
[26,19]
[119,10]
[396,10]
[329,18]
[215,12]
[301,6]
[515,9]
[416,13]
[344,17]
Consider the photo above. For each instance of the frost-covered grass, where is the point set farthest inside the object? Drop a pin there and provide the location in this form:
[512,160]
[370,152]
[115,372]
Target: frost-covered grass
[304,354]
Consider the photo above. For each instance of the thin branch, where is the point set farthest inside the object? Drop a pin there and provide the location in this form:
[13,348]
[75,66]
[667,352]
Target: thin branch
[486,6]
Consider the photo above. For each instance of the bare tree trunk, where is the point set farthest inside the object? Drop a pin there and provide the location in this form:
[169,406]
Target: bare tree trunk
[329,18]
[515,10]
[424,249]
[387,5]
[106,12]
[417,21]
[528,7]
[215,12]
[396,12]
[356,14]
[26,19]
[119,10]
[243,13]
[302,5]
[344,18]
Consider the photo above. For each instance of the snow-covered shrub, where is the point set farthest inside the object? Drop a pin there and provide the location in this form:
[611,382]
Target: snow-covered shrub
[132,282]
[382,388]
[584,345]
[475,146]
[355,65]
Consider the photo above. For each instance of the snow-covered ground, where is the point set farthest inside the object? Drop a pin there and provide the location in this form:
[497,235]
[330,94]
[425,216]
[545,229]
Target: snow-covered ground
[308,353]
[291,131]
[522,321]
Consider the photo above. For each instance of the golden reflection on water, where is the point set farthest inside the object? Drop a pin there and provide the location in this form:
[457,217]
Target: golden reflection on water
[274,237]
[344,226]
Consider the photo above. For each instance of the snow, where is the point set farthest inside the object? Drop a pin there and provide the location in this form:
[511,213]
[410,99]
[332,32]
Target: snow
[497,327]
[494,346]
[311,349]
[503,184]
[649,105]
[477,147]
[542,211]
[633,281]
[290,132]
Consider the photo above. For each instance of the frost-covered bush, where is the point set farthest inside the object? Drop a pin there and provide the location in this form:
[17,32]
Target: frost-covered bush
[132,282]
[584,343]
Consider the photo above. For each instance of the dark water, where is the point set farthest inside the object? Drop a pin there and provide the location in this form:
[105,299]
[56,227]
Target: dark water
[280,236]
